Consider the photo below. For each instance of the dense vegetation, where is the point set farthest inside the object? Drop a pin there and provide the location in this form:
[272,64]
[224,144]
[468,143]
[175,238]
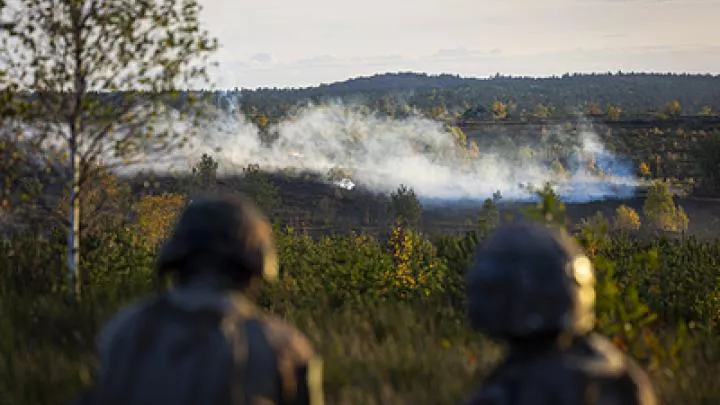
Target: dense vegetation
[386,312]
[397,94]
[450,97]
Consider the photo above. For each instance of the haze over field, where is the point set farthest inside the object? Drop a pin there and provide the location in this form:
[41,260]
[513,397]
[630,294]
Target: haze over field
[381,153]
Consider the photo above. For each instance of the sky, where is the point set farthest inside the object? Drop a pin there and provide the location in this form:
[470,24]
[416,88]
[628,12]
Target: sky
[298,43]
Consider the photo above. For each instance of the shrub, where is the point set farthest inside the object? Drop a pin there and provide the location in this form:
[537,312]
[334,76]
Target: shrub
[258,186]
[154,215]
[406,207]
[644,169]
[626,219]
[205,171]
[549,208]
[417,268]
[594,233]
[661,211]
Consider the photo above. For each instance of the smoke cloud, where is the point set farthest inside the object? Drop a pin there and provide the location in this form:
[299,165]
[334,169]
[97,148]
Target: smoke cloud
[380,153]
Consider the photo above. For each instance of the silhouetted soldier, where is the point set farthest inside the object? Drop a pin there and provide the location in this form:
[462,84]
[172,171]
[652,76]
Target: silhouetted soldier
[533,288]
[204,342]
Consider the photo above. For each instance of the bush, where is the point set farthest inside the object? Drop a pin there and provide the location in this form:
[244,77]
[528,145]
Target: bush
[154,215]
[661,211]
[626,219]
[259,187]
[406,207]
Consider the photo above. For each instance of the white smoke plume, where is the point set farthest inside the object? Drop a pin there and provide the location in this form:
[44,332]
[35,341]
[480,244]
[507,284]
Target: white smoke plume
[380,153]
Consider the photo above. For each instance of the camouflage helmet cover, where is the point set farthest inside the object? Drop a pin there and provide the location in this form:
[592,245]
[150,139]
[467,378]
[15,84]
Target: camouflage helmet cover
[222,226]
[528,280]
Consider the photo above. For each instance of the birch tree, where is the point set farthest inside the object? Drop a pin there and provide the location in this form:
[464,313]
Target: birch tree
[98,77]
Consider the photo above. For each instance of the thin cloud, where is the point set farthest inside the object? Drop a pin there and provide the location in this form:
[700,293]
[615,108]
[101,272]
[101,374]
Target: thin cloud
[693,58]
[262,57]
[455,53]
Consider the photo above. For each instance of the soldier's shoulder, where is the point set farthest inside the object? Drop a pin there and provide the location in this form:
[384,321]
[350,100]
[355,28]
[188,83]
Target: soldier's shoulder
[608,359]
[616,366]
[287,339]
[124,320]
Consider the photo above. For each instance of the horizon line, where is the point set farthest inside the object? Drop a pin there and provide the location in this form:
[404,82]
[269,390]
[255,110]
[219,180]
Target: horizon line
[481,78]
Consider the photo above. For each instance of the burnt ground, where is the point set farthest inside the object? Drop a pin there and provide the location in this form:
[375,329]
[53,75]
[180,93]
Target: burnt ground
[321,208]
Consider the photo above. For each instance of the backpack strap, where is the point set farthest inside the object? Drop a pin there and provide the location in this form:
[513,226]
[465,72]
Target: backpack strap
[233,327]
[298,365]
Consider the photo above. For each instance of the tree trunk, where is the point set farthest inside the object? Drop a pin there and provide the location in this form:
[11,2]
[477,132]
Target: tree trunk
[76,128]
[73,258]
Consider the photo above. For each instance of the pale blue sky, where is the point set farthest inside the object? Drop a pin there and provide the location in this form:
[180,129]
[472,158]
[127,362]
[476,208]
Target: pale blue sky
[307,42]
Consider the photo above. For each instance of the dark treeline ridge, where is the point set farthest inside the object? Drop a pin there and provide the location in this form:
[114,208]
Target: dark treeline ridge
[634,93]
[452,96]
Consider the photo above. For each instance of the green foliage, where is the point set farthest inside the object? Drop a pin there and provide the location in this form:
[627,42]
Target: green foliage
[417,269]
[205,171]
[154,216]
[405,206]
[594,233]
[661,211]
[259,187]
[630,322]
[549,208]
[626,219]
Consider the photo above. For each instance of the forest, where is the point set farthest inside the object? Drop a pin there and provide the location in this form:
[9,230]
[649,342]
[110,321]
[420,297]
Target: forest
[450,96]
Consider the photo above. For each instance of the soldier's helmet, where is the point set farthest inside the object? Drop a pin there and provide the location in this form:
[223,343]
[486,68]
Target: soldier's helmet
[221,229]
[530,280]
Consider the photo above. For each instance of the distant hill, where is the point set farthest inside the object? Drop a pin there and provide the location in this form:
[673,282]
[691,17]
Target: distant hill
[393,82]
[633,92]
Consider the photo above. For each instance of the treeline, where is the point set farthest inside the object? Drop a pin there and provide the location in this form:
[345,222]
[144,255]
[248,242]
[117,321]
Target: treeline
[448,96]
[396,93]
